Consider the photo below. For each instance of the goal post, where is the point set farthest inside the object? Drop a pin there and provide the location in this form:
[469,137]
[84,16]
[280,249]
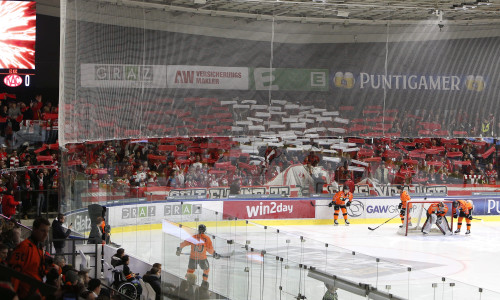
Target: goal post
[416,214]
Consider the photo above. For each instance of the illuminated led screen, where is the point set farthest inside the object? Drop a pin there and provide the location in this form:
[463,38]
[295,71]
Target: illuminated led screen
[17,34]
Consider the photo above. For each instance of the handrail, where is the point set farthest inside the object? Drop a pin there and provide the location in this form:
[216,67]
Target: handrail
[116,291]
[7,273]
[19,224]
[357,288]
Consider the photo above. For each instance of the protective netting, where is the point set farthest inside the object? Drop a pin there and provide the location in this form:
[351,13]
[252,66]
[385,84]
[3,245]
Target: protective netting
[130,72]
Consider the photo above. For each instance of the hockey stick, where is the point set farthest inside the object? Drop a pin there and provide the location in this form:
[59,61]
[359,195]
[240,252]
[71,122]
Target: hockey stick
[225,255]
[383,223]
[474,218]
[312,204]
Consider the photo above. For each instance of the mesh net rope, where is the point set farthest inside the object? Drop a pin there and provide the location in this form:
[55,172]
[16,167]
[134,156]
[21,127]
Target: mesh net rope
[134,72]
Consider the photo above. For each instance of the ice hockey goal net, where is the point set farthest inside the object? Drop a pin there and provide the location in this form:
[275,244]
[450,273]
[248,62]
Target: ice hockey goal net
[415,217]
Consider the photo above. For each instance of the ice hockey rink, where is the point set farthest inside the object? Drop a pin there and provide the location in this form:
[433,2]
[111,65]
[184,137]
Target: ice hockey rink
[422,260]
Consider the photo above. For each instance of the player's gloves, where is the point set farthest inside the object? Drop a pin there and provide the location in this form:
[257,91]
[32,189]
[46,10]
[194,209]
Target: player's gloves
[469,216]
[330,204]
[402,212]
[400,205]
[455,215]
[348,203]
[178,252]
[216,255]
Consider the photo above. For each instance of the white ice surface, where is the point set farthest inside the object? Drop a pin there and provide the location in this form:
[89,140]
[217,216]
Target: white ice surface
[464,260]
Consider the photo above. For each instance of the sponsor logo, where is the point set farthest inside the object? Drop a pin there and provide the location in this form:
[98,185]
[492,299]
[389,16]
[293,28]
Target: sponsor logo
[207,77]
[138,212]
[204,77]
[124,73]
[475,83]
[374,209]
[182,209]
[409,82]
[356,208]
[493,206]
[82,223]
[13,80]
[318,79]
[290,79]
[271,208]
[344,80]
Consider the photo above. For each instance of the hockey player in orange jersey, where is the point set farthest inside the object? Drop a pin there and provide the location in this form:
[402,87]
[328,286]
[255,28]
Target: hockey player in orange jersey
[341,200]
[403,205]
[200,244]
[436,214]
[463,209]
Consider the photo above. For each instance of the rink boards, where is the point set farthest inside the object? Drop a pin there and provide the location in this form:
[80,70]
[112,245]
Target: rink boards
[286,211]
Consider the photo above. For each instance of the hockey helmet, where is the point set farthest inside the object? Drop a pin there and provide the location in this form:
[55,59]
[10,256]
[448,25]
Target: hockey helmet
[441,204]
[455,204]
[202,228]
[346,187]
[471,203]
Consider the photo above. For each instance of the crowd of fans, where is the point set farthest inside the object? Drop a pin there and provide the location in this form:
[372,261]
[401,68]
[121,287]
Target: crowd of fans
[29,179]
[28,257]
[66,280]
[15,114]
[134,165]
[196,116]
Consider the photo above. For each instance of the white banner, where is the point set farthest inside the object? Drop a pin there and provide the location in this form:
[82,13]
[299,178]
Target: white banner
[123,76]
[154,212]
[207,77]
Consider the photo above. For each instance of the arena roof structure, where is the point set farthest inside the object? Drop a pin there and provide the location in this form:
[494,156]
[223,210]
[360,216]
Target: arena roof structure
[326,11]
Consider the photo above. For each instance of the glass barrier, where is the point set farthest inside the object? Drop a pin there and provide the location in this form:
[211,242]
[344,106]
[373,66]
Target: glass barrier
[259,261]
[263,261]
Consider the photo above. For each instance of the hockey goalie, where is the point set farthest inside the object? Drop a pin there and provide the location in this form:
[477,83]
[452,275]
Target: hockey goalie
[436,214]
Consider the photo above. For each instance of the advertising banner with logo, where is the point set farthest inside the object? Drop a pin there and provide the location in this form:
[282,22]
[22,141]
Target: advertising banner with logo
[154,213]
[80,220]
[369,208]
[206,77]
[287,79]
[269,209]
[123,76]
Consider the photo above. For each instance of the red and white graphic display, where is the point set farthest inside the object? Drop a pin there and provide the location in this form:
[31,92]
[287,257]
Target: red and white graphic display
[17,34]
[269,209]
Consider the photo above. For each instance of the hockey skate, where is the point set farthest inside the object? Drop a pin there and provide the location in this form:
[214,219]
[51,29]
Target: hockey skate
[335,223]
[467,232]
[457,231]
[347,223]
